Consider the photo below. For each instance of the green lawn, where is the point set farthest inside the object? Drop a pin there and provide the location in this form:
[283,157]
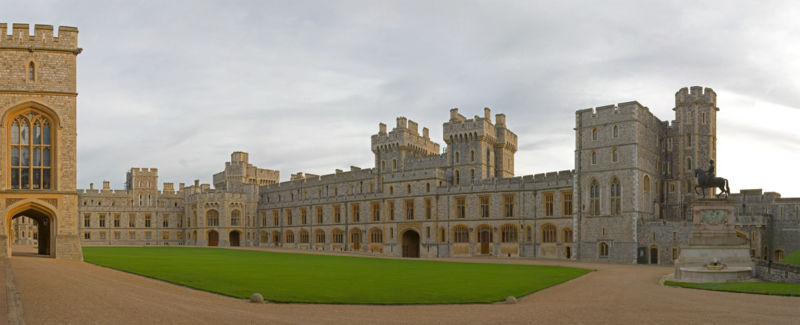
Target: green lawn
[285,277]
[793,258]
[765,288]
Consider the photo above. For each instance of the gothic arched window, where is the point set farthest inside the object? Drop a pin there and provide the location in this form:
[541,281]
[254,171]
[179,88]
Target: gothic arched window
[31,151]
[594,198]
[616,193]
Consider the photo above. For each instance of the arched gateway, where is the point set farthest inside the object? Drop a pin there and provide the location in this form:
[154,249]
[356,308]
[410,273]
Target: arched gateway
[410,244]
[38,136]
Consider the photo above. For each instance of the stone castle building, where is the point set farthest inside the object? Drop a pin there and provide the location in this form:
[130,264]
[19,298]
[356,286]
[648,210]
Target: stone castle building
[625,201]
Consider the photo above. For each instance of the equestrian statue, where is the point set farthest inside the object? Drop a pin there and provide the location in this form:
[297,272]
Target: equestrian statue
[707,179]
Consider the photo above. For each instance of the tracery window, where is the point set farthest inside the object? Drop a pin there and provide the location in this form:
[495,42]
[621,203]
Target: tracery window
[376,236]
[235,217]
[594,198]
[31,151]
[212,218]
[549,233]
[509,234]
[616,193]
[460,234]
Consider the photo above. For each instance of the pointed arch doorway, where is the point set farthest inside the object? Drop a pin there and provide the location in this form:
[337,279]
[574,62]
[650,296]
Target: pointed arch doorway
[45,223]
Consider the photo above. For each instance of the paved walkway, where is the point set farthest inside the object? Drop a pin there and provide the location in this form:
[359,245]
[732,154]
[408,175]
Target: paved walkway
[60,291]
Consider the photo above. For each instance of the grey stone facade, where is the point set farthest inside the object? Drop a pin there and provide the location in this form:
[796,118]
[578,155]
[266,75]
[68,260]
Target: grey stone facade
[625,201]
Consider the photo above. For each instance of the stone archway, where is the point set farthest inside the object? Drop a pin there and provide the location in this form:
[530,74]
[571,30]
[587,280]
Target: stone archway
[46,227]
[410,243]
[234,238]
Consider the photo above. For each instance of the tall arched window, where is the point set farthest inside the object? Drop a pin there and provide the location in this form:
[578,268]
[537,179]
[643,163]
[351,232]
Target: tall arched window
[594,198]
[31,72]
[615,133]
[31,151]
[212,218]
[603,250]
[594,134]
[235,217]
[614,155]
[616,193]
[594,158]
[472,155]
[646,183]
[460,234]
[457,177]
[549,233]
[508,234]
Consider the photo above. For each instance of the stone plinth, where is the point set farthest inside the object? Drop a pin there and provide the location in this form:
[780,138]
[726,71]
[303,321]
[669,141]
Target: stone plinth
[714,253]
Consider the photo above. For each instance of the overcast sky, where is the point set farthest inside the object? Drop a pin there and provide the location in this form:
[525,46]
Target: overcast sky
[179,85]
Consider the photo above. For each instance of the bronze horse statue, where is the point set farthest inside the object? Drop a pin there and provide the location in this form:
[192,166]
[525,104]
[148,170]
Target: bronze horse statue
[705,181]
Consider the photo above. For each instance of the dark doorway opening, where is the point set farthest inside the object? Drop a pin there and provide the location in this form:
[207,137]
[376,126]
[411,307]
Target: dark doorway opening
[213,238]
[410,244]
[38,225]
[234,238]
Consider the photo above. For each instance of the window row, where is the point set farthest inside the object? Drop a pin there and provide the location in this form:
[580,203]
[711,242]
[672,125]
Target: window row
[116,220]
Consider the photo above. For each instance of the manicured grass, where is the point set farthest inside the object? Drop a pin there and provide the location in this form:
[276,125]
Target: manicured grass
[285,277]
[764,288]
[793,258]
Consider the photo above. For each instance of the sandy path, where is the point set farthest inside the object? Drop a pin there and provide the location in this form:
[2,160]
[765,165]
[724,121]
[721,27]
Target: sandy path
[59,291]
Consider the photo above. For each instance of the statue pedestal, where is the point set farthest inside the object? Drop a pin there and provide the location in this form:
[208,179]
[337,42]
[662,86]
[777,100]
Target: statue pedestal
[714,253]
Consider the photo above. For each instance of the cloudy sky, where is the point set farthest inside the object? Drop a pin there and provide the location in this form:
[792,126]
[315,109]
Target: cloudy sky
[179,85]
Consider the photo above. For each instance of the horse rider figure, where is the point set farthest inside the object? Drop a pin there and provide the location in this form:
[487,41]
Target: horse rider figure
[710,172]
[707,179]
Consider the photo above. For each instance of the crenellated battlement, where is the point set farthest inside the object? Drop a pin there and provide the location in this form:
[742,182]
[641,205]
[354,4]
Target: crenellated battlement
[613,112]
[405,135]
[43,38]
[695,95]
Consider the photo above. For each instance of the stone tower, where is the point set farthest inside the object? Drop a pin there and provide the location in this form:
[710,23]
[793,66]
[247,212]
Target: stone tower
[692,139]
[392,149]
[37,104]
[477,149]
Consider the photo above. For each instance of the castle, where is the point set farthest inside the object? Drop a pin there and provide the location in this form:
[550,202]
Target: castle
[624,201]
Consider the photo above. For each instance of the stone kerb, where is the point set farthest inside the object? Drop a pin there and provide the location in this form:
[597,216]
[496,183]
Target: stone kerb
[777,272]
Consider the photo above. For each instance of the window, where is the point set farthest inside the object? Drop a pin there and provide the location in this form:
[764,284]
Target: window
[289,237]
[102,235]
[303,216]
[319,236]
[566,203]
[508,234]
[594,158]
[390,207]
[275,220]
[616,194]
[688,140]
[457,156]
[391,190]
[509,206]
[427,187]
[688,163]
[703,118]
[31,72]
[646,184]
[549,233]
[383,165]
[87,235]
[303,236]
[566,235]
[116,220]
[289,217]
[148,235]
[408,189]
[337,236]
[603,250]
[461,211]
[376,236]
[428,209]
[376,211]
[472,176]
[594,198]
[529,234]
[472,155]
[675,253]
[394,164]
[409,209]
[614,155]
[461,234]
[131,220]
[484,207]
[337,214]
[102,222]
[147,221]
[671,187]
[356,212]
[615,131]
[594,134]
[165,235]
[165,221]
[212,218]
[456,177]
[87,220]
[319,215]
[688,186]
[549,203]
[31,151]
[116,235]
[442,235]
